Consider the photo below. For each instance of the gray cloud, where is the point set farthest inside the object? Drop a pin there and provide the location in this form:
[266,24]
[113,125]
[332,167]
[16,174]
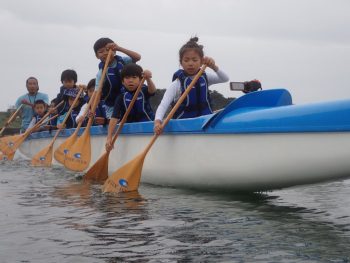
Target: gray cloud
[300,45]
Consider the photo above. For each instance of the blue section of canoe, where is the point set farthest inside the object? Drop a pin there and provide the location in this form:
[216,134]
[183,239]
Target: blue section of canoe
[267,111]
[249,115]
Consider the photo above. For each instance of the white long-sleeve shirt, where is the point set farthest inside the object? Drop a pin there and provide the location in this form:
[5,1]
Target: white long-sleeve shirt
[81,112]
[173,92]
[33,122]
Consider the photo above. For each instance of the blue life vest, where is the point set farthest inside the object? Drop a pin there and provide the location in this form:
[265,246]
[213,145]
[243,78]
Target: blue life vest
[37,118]
[141,111]
[70,123]
[99,112]
[52,122]
[112,86]
[197,102]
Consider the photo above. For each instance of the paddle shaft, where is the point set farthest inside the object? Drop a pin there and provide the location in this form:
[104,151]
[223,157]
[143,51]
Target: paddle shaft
[67,116]
[29,131]
[13,116]
[84,114]
[72,106]
[97,97]
[99,171]
[126,114]
[176,106]
[79,155]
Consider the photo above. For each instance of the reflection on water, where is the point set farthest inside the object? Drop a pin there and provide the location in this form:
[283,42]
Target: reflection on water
[50,215]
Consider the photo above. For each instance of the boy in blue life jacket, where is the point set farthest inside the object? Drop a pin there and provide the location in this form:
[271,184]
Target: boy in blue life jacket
[112,85]
[40,109]
[100,113]
[141,111]
[52,124]
[70,94]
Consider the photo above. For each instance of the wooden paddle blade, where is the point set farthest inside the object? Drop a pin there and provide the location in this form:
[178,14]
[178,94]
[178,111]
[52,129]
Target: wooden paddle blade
[8,141]
[13,144]
[5,157]
[64,148]
[44,157]
[126,178]
[79,156]
[99,171]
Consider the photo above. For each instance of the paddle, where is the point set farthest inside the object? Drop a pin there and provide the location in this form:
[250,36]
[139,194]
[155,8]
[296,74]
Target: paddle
[79,156]
[99,171]
[64,148]
[9,144]
[127,178]
[44,157]
[8,122]
[13,142]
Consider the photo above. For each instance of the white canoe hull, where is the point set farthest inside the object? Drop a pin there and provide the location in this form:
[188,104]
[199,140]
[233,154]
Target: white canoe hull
[244,162]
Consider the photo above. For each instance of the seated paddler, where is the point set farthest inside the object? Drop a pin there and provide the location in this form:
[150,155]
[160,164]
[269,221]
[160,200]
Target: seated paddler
[198,102]
[141,111]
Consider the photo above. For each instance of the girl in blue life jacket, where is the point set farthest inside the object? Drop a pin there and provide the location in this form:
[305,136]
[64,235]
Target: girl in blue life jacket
[197,102]
[141,111]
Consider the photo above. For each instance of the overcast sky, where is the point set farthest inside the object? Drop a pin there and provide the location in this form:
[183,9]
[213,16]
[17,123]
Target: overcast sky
[300,45]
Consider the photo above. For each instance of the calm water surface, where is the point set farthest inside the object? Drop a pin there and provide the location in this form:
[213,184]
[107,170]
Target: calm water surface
[49,215]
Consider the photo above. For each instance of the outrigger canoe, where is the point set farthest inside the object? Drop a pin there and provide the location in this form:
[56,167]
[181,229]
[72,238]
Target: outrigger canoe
[259,142]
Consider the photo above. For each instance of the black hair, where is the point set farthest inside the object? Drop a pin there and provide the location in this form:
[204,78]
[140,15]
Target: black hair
[54,101]
[102,42]
[30,79]
[38,102]
[191,44]
[69,74]
[131,69]
[91,84]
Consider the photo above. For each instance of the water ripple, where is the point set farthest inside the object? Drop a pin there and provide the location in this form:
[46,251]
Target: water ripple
[49,215]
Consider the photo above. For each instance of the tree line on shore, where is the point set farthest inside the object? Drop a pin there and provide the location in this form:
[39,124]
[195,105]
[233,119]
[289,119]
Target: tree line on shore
[217,99]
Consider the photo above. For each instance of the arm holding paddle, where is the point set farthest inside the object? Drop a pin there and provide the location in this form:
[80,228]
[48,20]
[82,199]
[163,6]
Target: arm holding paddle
[99,171]
[134,55]
[129,82]
[150,84]
[127,177]
[173,93]
[26,102]
[44,157]
[112,124]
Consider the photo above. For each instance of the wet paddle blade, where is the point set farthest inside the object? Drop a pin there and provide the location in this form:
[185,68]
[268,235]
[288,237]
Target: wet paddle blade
[43,158]
[8,142]
[99,171]
[12,144]
[126,178]
[63,149]
[79,156]
[5,157]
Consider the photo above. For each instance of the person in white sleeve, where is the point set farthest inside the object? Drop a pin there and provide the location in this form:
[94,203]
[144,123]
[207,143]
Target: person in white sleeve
[197,102]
